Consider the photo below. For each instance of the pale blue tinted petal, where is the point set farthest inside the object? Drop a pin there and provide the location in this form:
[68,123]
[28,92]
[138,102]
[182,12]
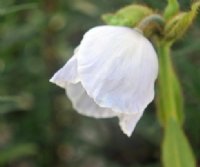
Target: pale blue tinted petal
[68,73]
[84,104]
[128,122]
[118,67]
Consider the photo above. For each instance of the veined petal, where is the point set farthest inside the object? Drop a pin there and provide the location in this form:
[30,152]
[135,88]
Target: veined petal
[117,67]
[68,73]
[86,105]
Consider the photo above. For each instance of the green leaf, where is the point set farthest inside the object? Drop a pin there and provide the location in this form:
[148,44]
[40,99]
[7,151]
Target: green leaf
[171,9]
[176,149]
[17,151]
[13,103]
[128,16]
[16,8]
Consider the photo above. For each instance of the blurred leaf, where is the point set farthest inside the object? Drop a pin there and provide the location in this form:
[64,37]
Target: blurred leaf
[13,103]
[17,151]
[16,34]
[16,8]
[176,150]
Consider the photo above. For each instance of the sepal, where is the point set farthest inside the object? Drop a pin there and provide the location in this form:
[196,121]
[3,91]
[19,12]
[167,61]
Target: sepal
[177,26]
[128,16]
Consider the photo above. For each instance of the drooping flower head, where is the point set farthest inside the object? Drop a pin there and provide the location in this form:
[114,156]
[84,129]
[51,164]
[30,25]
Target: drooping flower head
[111,74]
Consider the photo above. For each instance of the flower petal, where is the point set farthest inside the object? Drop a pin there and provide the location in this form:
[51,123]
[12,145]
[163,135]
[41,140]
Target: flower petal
[118,67]
[68,73]
[128,122]
[84,104]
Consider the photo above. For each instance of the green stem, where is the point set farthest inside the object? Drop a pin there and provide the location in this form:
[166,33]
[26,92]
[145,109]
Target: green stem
[176,150]
[169,101]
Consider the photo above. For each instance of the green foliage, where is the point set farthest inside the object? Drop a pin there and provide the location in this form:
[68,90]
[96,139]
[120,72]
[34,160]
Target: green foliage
[172,9]
[128,16]
[177,26]
[17,8]
[17,151]
[169,99]
[176,150]
[9,104]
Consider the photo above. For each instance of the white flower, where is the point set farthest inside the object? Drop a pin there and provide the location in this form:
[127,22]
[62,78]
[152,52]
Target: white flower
[112,73]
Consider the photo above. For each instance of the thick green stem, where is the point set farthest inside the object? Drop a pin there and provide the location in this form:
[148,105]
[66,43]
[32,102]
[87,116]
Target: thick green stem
[169,101]
[176,150]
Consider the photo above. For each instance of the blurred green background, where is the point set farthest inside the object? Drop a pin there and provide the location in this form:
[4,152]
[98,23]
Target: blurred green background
[38,127]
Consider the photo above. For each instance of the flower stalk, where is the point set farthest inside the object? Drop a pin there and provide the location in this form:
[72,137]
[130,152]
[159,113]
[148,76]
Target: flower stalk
[169,101]
[176,150]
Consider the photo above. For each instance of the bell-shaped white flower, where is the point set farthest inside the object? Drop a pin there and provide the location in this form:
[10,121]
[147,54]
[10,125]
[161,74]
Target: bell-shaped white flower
[112,73]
